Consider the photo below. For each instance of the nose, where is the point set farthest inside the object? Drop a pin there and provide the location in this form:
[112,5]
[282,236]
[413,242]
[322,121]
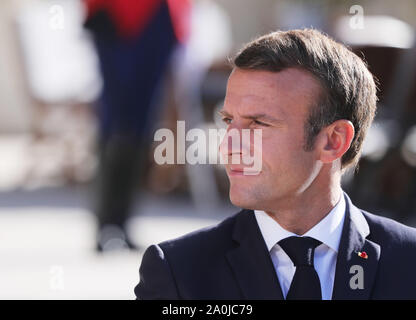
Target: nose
[231,143]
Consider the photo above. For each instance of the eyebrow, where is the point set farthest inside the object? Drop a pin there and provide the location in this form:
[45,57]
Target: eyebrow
[254,116]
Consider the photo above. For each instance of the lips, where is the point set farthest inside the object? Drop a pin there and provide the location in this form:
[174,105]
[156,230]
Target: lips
[242,171]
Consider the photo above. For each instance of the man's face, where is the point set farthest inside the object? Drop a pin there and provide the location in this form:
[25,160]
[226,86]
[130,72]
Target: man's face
[277,103]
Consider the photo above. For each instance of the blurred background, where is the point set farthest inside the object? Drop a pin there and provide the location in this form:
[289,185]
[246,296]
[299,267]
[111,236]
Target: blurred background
[85,84]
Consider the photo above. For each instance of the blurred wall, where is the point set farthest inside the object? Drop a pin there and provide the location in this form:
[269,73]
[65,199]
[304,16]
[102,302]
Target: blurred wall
[15,108]
[250,18]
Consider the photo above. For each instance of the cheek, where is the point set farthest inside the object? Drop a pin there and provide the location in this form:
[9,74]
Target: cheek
[277,148]
[286,156]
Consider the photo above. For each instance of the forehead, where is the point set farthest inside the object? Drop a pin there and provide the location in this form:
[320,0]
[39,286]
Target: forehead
[290,91]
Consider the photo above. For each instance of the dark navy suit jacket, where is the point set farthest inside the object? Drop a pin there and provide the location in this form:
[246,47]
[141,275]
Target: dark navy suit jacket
[231,261]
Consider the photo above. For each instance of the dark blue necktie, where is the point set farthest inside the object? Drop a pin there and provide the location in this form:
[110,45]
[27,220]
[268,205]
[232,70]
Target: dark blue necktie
[305,284]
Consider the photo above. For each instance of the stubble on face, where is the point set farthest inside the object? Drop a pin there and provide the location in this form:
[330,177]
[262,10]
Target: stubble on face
[286,167]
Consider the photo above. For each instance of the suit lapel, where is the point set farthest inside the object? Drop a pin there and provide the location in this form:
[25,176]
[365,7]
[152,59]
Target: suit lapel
[350,266]
[251,262]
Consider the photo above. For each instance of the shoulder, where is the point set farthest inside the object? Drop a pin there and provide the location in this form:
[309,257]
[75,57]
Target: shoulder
[214,238]
[181,258]
[396,267]
[389,232]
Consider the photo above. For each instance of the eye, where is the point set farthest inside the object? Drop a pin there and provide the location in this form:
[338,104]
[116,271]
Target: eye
[227,120]
[257,122]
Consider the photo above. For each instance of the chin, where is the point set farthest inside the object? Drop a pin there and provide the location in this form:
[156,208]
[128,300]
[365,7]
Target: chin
[243,199]
[250,196]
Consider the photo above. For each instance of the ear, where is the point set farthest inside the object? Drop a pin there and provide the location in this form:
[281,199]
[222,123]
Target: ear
[335,140]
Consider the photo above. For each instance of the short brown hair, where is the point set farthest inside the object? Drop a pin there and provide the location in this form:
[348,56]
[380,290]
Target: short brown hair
[349,90]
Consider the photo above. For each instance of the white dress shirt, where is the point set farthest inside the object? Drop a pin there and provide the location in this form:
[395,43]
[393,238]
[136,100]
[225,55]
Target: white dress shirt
[328,231]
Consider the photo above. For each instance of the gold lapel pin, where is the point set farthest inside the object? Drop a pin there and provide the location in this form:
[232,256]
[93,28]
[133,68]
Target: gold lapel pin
[363,255]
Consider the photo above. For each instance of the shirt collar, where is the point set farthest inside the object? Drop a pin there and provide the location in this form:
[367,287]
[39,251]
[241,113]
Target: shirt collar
[328,230]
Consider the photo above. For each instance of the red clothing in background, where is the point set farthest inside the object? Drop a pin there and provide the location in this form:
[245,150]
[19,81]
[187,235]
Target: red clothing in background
[131,16]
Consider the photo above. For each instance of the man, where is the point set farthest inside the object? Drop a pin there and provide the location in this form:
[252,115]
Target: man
[299,236]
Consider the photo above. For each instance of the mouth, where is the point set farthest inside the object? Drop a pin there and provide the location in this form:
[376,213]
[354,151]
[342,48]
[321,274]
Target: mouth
[242,172]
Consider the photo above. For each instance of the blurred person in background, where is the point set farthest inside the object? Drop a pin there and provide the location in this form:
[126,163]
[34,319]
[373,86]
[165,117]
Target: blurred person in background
[134,41]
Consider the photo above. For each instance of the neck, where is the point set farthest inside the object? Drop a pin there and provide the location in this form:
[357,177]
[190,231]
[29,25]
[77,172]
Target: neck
[300,212]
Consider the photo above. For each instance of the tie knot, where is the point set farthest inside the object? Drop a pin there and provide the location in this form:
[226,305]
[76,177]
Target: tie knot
[300,249]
